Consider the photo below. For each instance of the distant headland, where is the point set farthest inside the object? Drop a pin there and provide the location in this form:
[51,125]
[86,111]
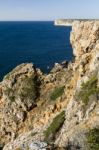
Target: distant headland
[68,22]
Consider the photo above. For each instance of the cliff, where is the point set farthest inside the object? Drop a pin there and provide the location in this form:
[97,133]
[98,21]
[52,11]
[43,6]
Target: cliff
[63,22]
[59,110]
[82,111]
[69,22]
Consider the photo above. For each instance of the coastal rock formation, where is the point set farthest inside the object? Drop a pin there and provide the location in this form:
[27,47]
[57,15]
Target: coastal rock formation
[82,111]
[59,110]
[18,94]
[63,22]
[23,104]
[69,22]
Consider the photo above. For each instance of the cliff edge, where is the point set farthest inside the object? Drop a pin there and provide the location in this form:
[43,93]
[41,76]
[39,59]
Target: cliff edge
[57,111]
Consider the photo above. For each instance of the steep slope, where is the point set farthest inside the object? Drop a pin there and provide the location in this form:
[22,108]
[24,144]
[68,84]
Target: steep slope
[66,113]
[82,111]
[18,93]
[29,100]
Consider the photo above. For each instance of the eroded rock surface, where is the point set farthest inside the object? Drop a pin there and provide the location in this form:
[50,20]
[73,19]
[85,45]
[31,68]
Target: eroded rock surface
[73,88]
[25,100]
[18,92]
[81,111]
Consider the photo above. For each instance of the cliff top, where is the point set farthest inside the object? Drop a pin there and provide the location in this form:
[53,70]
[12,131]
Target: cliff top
[68,22]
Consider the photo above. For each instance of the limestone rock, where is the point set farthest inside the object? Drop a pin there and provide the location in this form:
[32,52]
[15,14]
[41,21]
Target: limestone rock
[84,40]
[80,98]
[18,95]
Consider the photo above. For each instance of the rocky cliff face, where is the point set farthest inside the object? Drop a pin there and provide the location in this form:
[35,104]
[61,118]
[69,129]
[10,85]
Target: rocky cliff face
[59,110]
[69,22]
[28,100]
[18,93]
[63,22]
[82,111]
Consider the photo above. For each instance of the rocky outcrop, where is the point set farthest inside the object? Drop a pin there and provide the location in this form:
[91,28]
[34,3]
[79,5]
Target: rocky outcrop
[23,104]
[63,22]
[72,88]
[82,109]
[69,22]
[18,92]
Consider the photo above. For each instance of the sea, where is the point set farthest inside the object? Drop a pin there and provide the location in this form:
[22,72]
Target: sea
[41,43]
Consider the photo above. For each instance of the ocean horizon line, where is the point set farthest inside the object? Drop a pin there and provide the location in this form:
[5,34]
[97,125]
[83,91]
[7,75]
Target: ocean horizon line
[27,20]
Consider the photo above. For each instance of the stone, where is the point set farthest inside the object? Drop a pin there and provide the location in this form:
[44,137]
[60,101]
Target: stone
[15,98]
[80,116]
[84,39]
[38,146]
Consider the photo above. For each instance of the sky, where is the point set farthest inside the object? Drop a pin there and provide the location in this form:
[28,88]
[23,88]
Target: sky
[30,10]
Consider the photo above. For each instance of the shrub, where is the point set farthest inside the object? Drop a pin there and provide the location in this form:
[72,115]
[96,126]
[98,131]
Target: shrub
[57,93]
[10,93]
[18,149]
[33,133]
[26,89]
[55,126]
[88,89]
[93,139]
[29,89]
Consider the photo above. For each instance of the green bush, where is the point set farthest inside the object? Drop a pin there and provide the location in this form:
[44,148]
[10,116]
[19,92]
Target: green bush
[10,93]
[33,133]
[93,139]
[18,149]
[55,126]
[88,89]
[29,88]
[57,93]
[26,89]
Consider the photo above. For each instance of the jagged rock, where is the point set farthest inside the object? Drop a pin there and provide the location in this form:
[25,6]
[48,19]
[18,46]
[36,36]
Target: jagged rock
[38,146]
[58,67]
[49,78]
[18,95]
[80,99]
[84,39]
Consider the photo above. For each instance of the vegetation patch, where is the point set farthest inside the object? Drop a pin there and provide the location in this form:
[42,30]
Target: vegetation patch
[10,93]
[93,139]
[26,89]
[88,89]
[55,126]
[18,149]
[57,93]
[29,88]
[33,133]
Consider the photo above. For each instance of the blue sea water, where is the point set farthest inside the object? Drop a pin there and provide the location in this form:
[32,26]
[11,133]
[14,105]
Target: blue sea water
[39,42]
